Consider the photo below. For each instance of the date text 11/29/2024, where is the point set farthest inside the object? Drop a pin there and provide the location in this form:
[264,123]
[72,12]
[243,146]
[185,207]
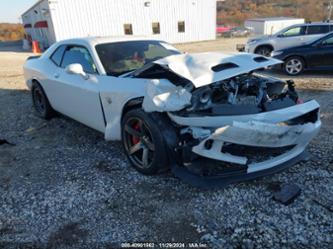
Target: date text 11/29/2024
[163,245]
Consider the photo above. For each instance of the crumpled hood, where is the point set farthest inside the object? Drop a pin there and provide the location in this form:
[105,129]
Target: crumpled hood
[207,68]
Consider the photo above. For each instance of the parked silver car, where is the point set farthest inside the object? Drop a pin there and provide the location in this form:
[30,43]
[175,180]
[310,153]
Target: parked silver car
[295,35]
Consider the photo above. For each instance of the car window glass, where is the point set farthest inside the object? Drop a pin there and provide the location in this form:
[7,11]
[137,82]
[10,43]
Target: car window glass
[317,29]
[80,55]
[296,31]
[122,57]
[156,51]
[57,55]
[328,42]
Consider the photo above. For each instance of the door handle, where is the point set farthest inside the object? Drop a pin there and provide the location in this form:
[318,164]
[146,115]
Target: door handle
[56,75]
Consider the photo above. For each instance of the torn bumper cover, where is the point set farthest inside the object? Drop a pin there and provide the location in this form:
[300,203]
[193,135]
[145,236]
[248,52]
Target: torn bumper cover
[254,145]
[229,122]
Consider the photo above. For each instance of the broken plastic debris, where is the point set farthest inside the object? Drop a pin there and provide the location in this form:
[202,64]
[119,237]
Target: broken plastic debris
[287,194]
[162,96]
[197,133]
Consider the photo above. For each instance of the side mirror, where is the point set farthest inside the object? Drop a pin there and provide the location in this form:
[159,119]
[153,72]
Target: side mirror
[76,69]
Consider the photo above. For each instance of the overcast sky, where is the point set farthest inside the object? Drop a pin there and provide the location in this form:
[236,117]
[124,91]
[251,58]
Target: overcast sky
[11,10]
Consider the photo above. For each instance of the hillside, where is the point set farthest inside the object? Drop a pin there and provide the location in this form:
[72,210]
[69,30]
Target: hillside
[11,32]
[237,11]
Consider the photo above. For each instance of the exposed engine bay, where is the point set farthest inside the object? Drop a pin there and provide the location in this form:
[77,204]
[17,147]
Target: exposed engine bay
[244,94]
[194,85]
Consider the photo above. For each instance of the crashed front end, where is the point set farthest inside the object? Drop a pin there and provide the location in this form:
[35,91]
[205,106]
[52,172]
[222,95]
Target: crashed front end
[251,145]
[241,126]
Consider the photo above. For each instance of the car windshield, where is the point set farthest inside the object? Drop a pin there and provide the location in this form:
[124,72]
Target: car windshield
[122,57]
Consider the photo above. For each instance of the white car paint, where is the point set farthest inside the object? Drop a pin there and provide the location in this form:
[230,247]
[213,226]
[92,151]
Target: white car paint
[81,98]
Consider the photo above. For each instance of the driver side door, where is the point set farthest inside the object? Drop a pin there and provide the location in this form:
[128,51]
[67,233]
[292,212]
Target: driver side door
[327,51]
[76,96]
[321,55]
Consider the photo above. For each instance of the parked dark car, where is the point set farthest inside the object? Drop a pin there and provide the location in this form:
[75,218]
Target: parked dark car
[316,55]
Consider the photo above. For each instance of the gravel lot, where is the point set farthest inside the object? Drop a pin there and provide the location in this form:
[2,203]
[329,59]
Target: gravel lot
[63,186]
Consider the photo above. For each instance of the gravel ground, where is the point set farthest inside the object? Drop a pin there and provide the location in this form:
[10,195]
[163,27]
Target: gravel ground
[63,186]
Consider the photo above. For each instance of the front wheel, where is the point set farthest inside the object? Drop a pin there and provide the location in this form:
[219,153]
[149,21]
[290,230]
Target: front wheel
[143,142]
[294,65]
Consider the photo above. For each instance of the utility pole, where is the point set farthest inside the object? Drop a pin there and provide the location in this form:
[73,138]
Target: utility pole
[330,9]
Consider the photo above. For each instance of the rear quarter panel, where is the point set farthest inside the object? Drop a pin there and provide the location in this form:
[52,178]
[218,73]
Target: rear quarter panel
[34,69]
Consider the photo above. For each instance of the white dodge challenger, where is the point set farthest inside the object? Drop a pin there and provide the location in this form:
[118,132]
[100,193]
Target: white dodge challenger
[213,118]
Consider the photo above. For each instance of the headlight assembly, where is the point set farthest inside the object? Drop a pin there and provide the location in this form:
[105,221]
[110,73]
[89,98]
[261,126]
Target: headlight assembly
[276,53]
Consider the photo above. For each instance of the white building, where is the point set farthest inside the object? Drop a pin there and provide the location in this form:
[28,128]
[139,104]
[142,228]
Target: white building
[269,26]
[175,21]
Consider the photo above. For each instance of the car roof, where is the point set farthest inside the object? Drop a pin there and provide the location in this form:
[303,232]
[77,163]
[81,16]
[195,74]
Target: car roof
[316,24]
[95,40]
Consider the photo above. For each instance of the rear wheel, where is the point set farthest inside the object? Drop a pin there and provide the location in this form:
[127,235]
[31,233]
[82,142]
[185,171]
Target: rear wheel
[143,142]
[40,102]
[264,50]
[294,65]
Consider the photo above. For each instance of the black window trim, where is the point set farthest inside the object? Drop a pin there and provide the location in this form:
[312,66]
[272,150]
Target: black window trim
[72,45]
[62,56]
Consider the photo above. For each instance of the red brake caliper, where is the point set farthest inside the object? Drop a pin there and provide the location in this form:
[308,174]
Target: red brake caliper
[136,140]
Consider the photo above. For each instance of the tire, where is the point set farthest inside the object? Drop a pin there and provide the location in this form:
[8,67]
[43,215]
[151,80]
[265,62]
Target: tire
[294,65]
[143,142]
[40,102]
[264,50]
